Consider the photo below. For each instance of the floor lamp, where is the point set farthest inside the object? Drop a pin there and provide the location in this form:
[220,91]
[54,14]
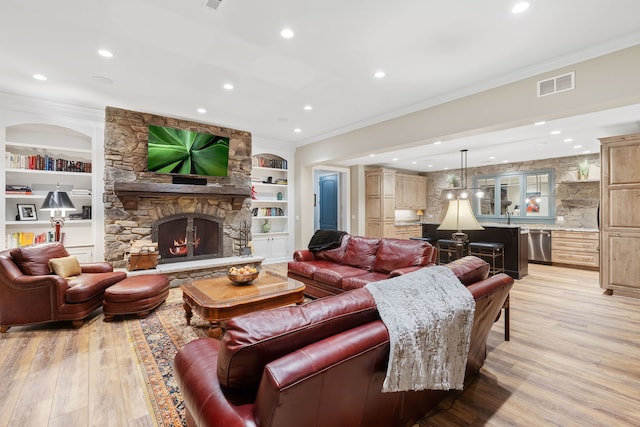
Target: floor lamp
[54,202]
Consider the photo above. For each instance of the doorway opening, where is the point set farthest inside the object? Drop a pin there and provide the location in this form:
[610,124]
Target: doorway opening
[331,198]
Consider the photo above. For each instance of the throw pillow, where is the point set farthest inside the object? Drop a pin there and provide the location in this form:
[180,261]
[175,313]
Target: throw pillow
[65,267]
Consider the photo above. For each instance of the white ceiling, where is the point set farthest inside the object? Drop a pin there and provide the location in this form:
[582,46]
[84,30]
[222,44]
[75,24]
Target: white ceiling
[173,56]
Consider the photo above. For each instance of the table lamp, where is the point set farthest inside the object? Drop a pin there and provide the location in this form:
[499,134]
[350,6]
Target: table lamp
[54,202]
[460,217]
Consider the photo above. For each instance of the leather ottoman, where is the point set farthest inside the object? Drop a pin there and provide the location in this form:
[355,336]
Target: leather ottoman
[135,295]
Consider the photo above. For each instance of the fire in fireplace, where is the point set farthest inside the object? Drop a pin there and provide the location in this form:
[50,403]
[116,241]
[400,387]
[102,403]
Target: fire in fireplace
[187,237]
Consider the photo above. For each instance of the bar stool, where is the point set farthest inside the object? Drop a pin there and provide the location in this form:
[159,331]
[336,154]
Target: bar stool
[490,252]
[447,251]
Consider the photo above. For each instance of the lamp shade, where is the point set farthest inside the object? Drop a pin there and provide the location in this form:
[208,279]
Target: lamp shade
[460,217]
[57,200]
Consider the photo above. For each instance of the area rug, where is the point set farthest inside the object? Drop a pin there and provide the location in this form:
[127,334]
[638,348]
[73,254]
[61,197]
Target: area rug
[157,339]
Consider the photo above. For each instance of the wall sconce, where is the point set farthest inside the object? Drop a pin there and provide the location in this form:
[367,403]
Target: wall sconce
[54,202]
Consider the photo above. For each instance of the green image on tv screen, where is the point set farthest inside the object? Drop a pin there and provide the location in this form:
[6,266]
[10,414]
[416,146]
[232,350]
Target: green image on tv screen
[186,152]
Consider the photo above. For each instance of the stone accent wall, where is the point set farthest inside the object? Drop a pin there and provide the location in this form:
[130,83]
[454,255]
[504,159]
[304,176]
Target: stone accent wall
[125,151]
[577,202]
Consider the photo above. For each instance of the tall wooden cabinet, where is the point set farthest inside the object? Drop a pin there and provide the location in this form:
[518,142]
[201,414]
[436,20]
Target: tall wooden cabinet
[386,191]
[620,215]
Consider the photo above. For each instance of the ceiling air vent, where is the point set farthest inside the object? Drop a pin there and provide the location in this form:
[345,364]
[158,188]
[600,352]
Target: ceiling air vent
[213,4]
[557,84]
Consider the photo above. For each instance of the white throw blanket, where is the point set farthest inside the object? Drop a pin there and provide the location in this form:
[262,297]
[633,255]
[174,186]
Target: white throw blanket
[429,316]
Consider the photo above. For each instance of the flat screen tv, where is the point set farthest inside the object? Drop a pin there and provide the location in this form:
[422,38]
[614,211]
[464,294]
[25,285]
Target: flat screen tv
[184,152]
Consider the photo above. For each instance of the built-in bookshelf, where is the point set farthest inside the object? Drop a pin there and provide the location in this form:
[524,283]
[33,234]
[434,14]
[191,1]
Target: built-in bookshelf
[40,158]
[270,207]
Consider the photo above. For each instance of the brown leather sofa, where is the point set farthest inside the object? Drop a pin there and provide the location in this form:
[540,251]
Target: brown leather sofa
[30,293]
[321,364]
[358,261]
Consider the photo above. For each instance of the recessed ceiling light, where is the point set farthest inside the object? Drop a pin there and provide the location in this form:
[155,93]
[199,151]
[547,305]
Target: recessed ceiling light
[540,123]
[228,86]
[414,163]
[379,74]
[287,33]
[577,146]
[437,143]
[201,110]
[586,152]
[430,166]
[446,169]
[105,53]
[555,132]
[39,77]
[297,130]
[505,161]
[308,108]
[568,140]
[520,7]
[395,159]
[372,155]
[492,157]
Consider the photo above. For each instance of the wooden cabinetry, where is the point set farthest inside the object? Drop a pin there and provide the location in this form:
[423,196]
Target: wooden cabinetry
[575,248]
[270,204]
[411,191]
[619,215]
[408,231]
[380,202]
[38,158]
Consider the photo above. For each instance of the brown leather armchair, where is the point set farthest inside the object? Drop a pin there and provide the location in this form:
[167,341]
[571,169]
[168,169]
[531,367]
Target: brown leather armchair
[30,294]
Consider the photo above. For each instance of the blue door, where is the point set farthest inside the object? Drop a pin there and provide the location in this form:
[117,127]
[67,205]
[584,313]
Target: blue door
[328,201]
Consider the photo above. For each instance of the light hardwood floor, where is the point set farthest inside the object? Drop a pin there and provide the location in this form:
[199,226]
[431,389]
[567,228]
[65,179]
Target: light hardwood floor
[572,361]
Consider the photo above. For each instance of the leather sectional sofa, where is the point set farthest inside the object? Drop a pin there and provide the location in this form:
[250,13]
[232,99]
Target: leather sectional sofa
[357,261]
[320,364]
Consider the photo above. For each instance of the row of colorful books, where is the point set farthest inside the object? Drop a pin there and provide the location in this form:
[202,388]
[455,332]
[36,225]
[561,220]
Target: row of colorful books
[44,163]
[17,189]
[24,238]
[264,162]
[267,212]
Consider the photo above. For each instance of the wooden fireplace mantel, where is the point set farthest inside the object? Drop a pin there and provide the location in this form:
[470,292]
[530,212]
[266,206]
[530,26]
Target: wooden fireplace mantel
[130,192]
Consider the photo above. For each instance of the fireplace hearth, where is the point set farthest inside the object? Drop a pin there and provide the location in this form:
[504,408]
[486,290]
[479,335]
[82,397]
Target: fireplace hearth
[187,237]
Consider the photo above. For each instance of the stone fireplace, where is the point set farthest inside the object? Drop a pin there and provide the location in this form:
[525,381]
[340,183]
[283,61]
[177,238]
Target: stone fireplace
[140,204]
[187,237]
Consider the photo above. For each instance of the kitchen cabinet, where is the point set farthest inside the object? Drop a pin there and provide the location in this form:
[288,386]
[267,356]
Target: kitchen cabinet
[410,191]
[408,231]
[380,202]
[619,215]
[575,248]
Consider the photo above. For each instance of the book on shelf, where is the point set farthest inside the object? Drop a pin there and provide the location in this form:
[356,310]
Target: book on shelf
[24,238]
[264,162]
[17,189]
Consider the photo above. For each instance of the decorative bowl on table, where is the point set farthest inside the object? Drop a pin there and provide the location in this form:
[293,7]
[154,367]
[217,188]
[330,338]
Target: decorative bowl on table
[243,275]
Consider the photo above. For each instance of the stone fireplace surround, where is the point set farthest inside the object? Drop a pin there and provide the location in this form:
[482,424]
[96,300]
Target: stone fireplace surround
[134,198]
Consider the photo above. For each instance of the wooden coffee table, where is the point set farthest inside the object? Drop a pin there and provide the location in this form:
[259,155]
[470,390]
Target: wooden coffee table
[219,299]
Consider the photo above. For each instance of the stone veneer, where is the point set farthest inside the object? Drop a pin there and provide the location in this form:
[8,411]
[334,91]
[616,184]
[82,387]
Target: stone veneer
[577,202]
[125,154]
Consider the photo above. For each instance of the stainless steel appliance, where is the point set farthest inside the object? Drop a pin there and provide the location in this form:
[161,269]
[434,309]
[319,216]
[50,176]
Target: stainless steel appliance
[540,246]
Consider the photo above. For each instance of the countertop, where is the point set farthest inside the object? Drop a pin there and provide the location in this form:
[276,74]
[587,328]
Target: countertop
[526,227]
